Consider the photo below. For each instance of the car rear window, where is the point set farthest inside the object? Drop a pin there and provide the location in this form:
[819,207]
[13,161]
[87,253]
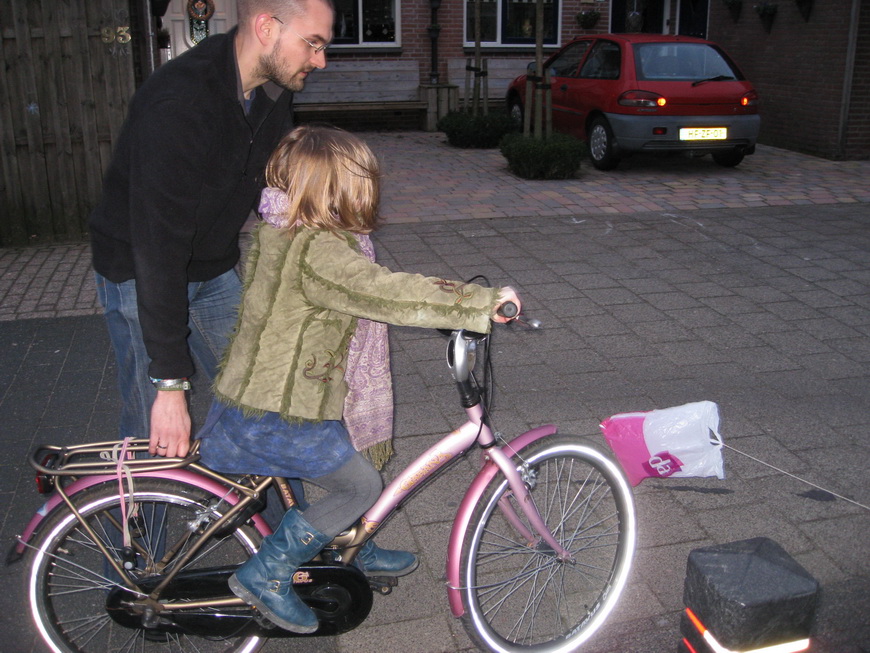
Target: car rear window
[682,62]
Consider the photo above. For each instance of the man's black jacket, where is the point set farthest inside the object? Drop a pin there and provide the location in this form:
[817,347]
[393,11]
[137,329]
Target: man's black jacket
[186,172]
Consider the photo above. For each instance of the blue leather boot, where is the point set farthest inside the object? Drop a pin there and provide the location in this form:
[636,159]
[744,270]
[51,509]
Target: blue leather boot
[375,561]
[266,579]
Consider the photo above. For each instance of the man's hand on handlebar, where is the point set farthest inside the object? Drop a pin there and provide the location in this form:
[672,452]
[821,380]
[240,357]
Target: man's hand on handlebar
[509,306]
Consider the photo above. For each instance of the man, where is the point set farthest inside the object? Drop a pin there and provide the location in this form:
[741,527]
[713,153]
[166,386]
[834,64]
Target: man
[185,174]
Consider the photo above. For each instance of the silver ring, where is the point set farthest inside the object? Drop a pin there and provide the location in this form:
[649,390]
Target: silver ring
[162,446]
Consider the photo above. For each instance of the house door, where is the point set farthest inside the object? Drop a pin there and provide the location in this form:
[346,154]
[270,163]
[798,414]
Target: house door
[185,31]
[693,18]
[646,16]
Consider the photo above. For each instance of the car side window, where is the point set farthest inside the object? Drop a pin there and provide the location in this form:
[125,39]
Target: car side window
[603,61]
[568,61]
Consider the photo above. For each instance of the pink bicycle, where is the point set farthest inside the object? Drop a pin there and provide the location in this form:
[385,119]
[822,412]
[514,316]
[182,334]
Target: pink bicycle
[134,553]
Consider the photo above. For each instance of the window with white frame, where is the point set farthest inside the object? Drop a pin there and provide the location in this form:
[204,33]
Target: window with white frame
[511,22]
[365,22]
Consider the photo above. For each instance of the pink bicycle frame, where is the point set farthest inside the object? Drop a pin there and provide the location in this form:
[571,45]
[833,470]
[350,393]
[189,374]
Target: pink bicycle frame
[444,451]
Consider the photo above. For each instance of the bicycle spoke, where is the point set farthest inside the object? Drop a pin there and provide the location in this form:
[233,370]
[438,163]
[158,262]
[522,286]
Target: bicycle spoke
[534,605]
[201,554]
[85,575]
[87,629]
[508,589]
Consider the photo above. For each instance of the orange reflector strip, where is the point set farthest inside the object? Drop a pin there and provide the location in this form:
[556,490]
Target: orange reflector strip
[696,621]
[689,646]
[788,647]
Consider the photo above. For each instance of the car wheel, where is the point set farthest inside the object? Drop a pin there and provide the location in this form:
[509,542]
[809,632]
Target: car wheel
[516,112]
[601,145]
[728,158]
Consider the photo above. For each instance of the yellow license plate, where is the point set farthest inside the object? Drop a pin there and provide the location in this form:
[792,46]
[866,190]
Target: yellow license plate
[703,133]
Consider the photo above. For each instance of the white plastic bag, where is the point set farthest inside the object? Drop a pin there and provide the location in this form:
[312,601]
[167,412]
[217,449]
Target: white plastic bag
[680,441]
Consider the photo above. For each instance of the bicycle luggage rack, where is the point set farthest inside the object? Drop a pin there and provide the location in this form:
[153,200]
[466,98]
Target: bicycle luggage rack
[100,458]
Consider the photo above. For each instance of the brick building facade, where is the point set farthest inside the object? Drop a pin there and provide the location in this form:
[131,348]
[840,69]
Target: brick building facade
[71,67]
[813,74]
[812,69]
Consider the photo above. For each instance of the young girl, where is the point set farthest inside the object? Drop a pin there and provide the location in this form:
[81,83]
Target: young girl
[280,393]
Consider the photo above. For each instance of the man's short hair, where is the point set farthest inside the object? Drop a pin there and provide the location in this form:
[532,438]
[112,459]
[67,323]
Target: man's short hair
[247,9]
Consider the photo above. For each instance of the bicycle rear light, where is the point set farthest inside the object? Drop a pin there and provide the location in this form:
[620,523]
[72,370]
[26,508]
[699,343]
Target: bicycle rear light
[45,482]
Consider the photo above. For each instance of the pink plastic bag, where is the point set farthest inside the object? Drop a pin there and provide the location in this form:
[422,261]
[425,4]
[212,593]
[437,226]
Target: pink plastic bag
[680,441]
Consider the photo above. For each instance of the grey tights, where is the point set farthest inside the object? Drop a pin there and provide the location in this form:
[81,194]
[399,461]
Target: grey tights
[351,490]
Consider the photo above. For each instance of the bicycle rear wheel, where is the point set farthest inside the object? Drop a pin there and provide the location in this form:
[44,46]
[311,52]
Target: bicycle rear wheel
[519,597]
[77,601]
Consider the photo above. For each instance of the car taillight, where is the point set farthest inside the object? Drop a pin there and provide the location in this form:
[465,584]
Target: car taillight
[749,100]
[641,99]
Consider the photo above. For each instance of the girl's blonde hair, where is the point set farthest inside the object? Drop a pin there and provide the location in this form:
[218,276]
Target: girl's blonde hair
[331,177]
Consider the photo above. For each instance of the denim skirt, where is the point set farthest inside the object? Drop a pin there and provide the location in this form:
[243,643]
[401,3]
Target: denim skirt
[271,446]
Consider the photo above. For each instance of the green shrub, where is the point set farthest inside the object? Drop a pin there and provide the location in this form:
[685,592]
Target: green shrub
[558,157]
[481,131]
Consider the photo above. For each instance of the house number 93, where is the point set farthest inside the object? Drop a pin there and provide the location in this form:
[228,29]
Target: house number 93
[120,34]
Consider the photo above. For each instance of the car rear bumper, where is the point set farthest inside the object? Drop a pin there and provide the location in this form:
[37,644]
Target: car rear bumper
[635,133]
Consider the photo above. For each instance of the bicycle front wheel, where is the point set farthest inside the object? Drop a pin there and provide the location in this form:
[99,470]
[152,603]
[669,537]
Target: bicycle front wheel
[78,602]
[519,596]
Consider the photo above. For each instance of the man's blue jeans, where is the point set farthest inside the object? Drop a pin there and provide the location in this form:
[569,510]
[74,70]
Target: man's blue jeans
[213,310]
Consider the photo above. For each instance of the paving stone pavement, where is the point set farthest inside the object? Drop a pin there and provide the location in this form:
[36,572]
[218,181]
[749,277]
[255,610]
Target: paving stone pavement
[668,281]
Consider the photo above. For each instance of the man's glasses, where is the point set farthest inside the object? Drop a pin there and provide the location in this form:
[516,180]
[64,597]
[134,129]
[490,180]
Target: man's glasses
[317,48]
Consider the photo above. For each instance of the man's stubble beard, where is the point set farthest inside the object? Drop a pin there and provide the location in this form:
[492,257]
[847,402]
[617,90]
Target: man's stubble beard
[271,69]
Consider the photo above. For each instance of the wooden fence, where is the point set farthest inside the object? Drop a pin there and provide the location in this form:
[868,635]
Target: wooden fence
[66,75]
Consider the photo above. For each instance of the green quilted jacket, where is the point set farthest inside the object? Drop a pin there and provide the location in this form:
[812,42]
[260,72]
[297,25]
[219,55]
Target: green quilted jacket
[304,291]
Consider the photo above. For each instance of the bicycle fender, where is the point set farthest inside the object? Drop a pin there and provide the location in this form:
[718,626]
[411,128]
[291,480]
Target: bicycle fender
[466,508]
[178,475]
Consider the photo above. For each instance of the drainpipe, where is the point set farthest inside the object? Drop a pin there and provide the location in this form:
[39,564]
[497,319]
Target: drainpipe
[148,33]
[434,29]
[848,78]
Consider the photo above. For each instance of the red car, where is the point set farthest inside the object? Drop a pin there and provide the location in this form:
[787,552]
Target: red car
[625,93]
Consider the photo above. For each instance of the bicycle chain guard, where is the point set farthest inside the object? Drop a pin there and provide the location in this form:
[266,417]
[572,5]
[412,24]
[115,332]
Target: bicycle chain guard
[340,596]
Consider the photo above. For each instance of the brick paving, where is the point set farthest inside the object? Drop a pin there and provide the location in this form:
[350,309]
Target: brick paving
[667,281]
[427,180]
[476,183]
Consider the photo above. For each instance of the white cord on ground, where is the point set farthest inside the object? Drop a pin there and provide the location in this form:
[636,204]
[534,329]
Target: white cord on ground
[802,480]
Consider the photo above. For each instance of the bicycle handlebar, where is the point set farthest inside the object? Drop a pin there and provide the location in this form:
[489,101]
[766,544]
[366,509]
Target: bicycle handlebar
[508,310]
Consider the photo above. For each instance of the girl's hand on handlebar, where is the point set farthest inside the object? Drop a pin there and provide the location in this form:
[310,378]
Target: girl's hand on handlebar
[507,295]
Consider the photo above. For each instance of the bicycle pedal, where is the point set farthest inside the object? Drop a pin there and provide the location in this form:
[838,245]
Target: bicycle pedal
[382,584]
[155,635]
[264,622]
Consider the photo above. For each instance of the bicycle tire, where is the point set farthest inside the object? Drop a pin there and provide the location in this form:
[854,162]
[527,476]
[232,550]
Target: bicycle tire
[69,584]
[522,598]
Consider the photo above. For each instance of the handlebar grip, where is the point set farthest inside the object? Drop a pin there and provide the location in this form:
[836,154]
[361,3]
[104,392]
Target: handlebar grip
[508,309]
